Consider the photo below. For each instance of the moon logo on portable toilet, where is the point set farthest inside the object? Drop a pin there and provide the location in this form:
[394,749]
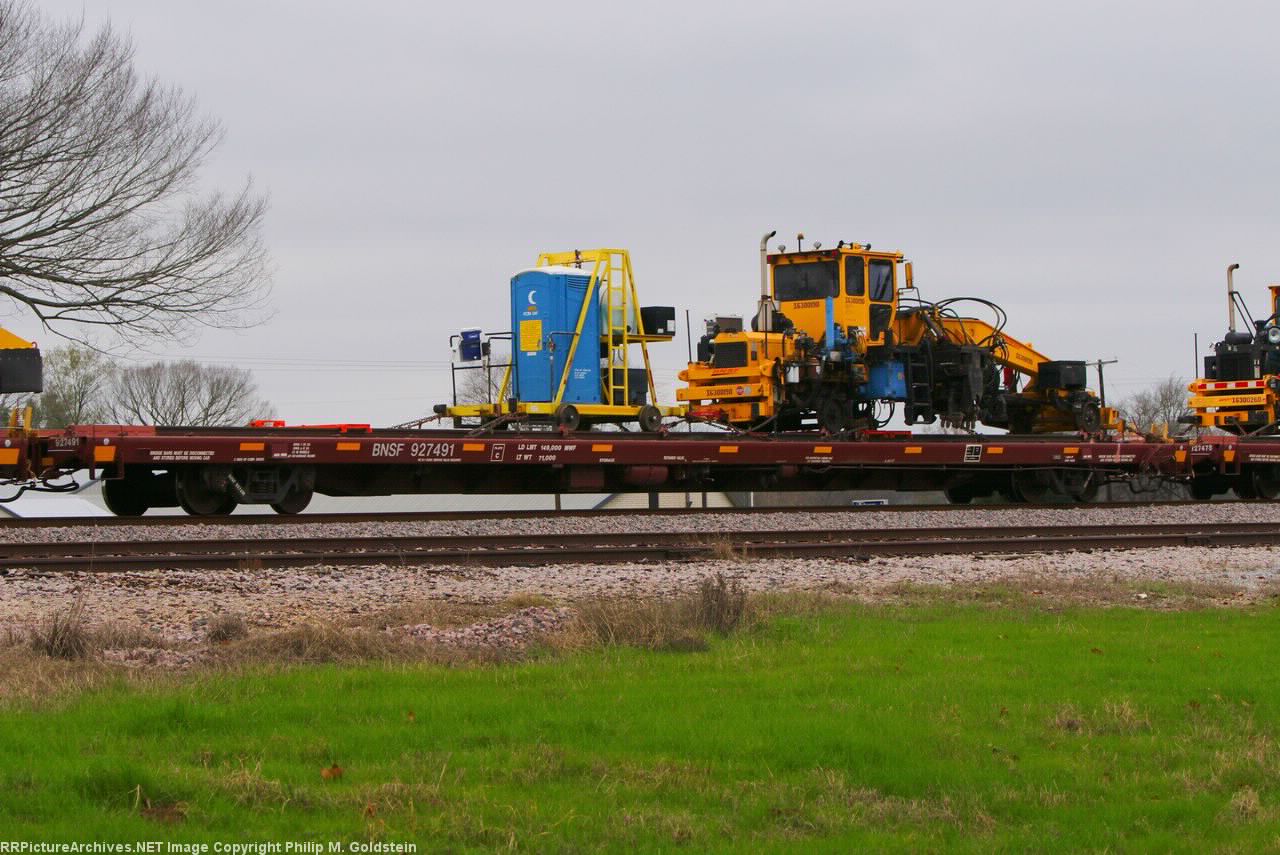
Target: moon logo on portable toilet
[533,304]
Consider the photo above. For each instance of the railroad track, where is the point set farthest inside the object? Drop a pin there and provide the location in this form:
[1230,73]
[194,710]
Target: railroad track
[449,516]
[612,548]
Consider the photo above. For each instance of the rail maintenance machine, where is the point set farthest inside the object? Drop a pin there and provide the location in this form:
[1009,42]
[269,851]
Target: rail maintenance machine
[574,320]
[834,348]
[1240,390]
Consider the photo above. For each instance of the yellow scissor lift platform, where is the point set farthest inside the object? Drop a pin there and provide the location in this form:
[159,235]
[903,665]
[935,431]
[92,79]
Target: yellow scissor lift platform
[612,282]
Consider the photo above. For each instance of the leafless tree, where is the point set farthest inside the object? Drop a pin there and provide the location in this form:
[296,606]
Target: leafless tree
[185,393]
[1163,404]
[102,223]
[76,380]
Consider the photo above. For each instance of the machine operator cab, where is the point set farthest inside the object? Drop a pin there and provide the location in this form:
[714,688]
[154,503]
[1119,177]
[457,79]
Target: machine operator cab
[861,283]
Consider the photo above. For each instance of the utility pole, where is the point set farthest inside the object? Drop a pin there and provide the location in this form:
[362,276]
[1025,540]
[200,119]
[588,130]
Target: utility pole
[1102,399]
[1102,383]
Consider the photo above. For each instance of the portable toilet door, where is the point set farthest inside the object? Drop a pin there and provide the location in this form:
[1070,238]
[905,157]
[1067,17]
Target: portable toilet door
[545,304]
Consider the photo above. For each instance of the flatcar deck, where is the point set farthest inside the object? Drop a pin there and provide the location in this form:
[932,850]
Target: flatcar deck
[208,469]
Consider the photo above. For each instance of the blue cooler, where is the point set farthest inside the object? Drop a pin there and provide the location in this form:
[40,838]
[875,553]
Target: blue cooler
[469,349]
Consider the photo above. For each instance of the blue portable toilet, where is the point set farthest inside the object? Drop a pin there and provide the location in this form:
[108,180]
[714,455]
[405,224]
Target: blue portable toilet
[545,304]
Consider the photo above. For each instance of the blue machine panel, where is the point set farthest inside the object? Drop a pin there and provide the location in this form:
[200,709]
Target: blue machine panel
[887,381]
[545,305]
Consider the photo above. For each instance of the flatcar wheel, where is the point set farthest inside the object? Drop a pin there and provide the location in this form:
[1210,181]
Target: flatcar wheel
[958,495]
[294,502]
[1266,481]
[1244,486]
[650,418]
[124,497]
[198,500]
[568,417]
[1031,486]
[1201,489]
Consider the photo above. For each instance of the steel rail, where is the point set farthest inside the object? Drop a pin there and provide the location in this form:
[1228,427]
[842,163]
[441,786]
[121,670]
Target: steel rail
[604,548]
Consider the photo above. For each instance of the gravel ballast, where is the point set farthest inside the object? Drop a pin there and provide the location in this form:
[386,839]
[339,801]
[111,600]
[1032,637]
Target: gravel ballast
[177,604]
[837,520]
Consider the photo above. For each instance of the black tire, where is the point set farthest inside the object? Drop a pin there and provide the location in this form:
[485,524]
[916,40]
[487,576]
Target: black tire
[1089,418]
[833,415]
[124,497]
[568,417]
[650,419]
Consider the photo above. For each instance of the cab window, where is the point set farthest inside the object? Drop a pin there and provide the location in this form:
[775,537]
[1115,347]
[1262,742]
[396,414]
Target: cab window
[881,280]
[809,280]
[854,283]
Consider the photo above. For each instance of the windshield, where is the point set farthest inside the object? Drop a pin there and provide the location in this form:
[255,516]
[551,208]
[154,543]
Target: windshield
[881,280]
[810,280]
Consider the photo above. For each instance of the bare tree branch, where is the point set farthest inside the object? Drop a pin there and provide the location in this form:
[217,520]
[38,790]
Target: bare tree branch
[1161,405]
[101,221]
[185,393]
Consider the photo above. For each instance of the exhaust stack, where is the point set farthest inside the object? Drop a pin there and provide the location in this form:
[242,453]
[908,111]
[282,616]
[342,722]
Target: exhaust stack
[1231,299]
[764,314]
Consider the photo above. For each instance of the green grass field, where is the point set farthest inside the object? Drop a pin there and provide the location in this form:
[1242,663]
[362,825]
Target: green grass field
[904,727]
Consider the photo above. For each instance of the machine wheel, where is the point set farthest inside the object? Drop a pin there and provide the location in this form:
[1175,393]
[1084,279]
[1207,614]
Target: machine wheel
[650,419]
[123,497]
[568,417]
[294,502]
[1089,418]
[197,499]
[833,415]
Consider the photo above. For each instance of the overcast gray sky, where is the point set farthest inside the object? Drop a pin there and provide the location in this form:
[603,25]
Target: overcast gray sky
[1092,166]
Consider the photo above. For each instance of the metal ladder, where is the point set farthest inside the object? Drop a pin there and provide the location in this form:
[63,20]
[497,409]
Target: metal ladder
[612,274]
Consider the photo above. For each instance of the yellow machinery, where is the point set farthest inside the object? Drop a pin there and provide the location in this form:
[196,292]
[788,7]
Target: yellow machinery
[833,346]
[575,319]
[21,371]
[1240,389]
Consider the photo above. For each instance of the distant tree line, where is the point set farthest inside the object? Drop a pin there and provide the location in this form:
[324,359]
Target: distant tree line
[85,386]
